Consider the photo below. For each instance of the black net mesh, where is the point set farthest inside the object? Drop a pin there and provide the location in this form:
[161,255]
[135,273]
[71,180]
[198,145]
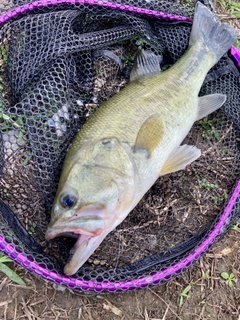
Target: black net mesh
[58,65]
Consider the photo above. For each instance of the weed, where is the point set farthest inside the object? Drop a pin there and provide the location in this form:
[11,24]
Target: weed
[207,185]
[32,228]
[9,272]
[225,195]
[27,158]
[236,227]
[182,177]
[9,122]
[206,274]
[140,43]
[235,9]
[3,53]
[237,42]
[184,293]
[209,131]
[218,200]
[128,60]
[5,191]
[230,278]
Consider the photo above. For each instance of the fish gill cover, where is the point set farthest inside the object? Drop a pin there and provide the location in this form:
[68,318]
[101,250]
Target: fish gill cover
[60,60]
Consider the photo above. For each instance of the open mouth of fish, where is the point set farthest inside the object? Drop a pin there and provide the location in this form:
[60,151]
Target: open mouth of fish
[88,237]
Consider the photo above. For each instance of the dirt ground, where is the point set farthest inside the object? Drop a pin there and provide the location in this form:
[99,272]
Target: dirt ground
[209,295]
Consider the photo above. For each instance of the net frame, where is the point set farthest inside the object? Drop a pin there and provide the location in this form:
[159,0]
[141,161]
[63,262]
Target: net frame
[218,228]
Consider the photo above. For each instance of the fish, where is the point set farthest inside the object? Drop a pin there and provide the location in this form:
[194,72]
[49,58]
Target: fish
[134,138]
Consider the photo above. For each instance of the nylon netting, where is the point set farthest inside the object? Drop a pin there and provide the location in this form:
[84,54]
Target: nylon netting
[59,63]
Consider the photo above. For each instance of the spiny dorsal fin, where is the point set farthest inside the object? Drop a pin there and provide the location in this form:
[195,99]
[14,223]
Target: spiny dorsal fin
[146,62]
[150,134]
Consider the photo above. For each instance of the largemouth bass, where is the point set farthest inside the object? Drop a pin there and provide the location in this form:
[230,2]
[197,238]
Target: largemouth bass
[134,138]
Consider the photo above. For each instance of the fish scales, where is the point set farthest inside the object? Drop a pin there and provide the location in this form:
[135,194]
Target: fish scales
[124,113]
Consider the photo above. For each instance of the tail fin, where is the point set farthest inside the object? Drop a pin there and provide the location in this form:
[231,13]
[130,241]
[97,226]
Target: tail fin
[215,35]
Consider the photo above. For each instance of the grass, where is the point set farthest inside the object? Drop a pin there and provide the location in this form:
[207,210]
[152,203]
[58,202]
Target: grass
[209,130]
[229,11]
[10,122]
[232,7]
[207,185]
[184,294]
[236,227]
[12,275]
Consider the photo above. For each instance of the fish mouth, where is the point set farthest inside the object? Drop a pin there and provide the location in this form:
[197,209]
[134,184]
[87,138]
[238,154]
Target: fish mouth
[74,227]
[86,232]
[78,255]
[82,250]
[68,235]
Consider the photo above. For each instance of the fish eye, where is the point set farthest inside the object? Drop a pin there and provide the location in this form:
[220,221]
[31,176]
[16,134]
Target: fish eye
[68,200]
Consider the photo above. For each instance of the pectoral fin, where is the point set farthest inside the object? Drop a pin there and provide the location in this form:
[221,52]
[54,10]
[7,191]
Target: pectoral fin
[150,134]
[146,62]
[180,158]
[210,103]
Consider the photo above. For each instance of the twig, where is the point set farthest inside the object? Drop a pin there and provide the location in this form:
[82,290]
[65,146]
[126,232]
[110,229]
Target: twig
[3,303]
[146,317]
[164,316]
[202,311]
[3,283]
[15,309]
[27,313]
[212,272]
[166,304]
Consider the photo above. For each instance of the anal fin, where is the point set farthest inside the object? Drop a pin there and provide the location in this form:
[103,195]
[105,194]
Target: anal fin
[180,158]
[209,103]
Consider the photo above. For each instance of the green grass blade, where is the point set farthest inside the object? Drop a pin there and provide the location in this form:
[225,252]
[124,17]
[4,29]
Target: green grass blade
[11,274]
[4,258]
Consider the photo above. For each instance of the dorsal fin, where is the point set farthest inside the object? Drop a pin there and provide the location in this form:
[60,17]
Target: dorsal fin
[146,62]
